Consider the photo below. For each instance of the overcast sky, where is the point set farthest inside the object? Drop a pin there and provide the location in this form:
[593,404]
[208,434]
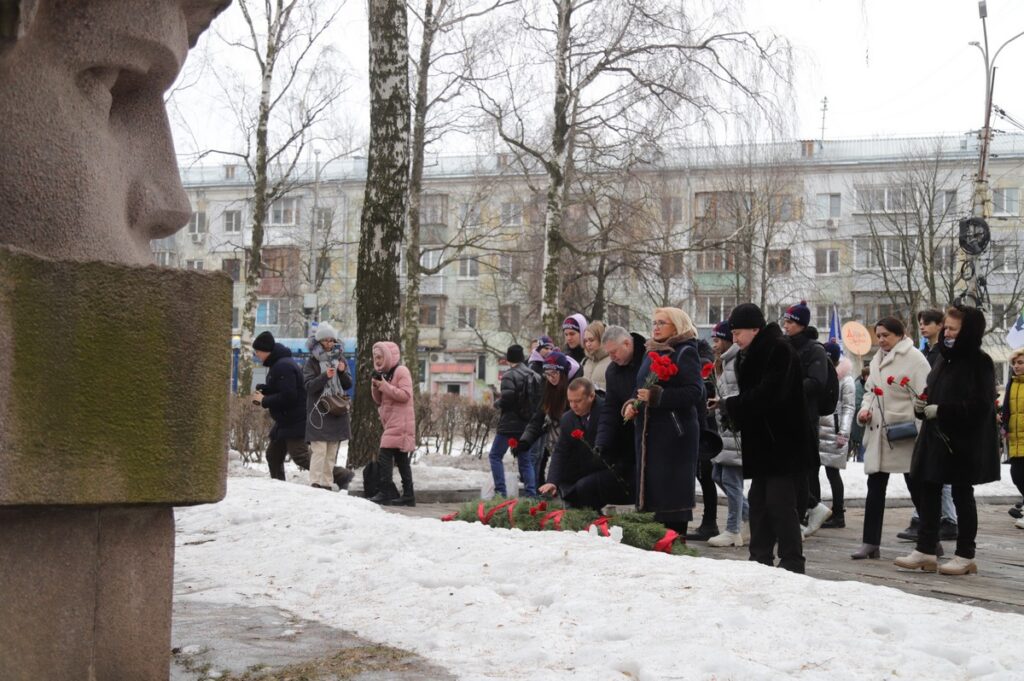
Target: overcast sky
[888,67]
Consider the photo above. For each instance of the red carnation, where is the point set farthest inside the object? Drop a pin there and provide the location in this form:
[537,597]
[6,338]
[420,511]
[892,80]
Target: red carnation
[577,434]
[904,381]
[654,356]
[890,380]
[923,396]
[878,391]
[705,371]
[513,443]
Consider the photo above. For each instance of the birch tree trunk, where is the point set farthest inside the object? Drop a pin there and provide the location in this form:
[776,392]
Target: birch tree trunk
[384,212]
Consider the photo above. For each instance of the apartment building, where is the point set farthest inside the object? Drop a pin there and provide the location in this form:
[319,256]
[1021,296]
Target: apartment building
[869,226]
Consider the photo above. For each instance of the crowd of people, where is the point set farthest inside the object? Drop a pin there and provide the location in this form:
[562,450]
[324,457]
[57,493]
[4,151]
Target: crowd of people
[624,419]
[615,418]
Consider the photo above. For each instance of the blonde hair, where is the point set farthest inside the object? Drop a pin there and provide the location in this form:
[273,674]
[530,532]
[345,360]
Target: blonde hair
[680,320]
[595,329]
[1019,352]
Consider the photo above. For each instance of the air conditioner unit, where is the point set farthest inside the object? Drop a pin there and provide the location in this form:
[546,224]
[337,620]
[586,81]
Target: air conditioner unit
[197,237]
[434,357]
[832,223]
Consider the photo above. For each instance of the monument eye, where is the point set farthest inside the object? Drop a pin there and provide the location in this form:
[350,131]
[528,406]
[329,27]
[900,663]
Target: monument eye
[97,83]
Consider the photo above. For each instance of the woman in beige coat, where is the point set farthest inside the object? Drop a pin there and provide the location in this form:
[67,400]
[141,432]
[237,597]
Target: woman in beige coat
[886,403]
[596,360]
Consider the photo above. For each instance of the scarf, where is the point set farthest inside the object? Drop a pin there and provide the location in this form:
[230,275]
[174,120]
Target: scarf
[333,386]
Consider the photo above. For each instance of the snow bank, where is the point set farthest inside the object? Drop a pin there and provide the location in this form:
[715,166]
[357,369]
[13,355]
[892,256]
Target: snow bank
[499,604]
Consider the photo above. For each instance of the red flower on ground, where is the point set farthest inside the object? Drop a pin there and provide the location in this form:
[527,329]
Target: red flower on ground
[705,371]
[577,434]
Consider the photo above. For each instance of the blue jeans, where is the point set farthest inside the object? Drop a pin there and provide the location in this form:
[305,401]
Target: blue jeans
[527,465]
[730,479]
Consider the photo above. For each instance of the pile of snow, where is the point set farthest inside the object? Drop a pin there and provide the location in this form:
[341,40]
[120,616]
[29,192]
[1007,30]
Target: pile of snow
[498,604]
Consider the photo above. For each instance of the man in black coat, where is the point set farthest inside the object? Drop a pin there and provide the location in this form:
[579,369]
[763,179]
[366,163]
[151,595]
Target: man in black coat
[769,414]
[581,476]
[615,437]
[284,396]
[815,364]
[520,398]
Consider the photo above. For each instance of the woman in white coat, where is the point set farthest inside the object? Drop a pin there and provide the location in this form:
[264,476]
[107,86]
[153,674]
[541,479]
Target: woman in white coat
[890,427]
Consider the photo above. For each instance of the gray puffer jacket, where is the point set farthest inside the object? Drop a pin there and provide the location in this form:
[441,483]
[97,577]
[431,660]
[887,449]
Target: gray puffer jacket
[727,387]
[831,454]
[322,427]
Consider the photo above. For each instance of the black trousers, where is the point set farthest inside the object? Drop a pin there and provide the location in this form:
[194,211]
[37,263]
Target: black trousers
[597,490]
[874,507]
[773,518]
[835,481]
[386,461]
[709,492]
[1017,473]
[297,448]
[929,508]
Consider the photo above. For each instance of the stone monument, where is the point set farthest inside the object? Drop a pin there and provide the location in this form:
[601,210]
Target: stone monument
[114,384]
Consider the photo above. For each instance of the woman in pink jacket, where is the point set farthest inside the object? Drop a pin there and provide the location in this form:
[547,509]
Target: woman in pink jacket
[391,388]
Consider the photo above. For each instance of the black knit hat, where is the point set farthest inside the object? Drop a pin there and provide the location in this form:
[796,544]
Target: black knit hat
[746,316]
[799,313]
[722,330]
[515,354]
[264,342]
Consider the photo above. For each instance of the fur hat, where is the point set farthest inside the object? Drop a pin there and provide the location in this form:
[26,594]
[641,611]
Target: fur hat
[746,316]
[264,342]
[556,361]
[514,354]
[799,313]
[325,331]
[722,330]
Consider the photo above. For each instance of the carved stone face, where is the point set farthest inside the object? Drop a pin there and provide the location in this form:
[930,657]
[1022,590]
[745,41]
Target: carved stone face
[89,171]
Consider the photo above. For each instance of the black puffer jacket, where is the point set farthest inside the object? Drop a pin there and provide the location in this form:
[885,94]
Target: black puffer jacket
[815,364]
[515,404]
[769,409]
[963,384]
[284,395]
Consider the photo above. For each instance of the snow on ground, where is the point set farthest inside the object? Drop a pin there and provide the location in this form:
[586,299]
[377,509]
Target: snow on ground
[498,604]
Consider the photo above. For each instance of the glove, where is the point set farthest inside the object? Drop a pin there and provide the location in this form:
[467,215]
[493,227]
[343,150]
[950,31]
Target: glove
[931,411]
[919,404]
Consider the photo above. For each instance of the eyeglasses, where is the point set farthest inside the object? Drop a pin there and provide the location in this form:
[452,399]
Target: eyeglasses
[662,322]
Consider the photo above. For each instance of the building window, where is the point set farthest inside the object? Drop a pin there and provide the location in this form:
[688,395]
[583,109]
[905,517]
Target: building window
[782,208]
[232,222]
[323,220]
[671,209]
[946,202]
[197,223]
[233,267]
[1006,201]
[508,265]
[434,209]
[618,315]
[779,261]
[469,214]
[821,318]
[829,205]
[284,212]
[713,309]
[997,317]
[229,172]
[1000,263]
[944,258]
[481,367]
[718,260]
[234,318]
[466,317]
[826,260]
[428,314]
[196,265]
[674,264]
[164,258]
[469,268]
[864,253]
[273,265]
[508,318]
[512,214]
[267,312]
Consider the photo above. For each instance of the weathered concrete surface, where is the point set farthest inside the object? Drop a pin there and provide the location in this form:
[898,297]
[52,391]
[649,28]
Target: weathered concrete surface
[114,385]
[85,593]
[260,644]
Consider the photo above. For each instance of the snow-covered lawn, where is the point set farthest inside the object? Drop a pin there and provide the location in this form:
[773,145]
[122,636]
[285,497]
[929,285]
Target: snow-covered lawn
[499,604]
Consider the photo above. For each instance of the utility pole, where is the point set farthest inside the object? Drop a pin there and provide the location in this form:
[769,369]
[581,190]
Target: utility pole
[824,109]
[310,304]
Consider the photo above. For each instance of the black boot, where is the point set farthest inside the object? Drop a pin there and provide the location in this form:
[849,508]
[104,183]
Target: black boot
[408,497]
[910,534]
[837,521]
[386,490]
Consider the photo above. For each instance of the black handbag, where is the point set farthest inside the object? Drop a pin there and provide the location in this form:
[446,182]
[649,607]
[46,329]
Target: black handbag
[904,430]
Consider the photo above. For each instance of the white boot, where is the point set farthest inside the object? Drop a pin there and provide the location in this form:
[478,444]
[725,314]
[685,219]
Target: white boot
[815,517]
[1019,523]
[726,539]
[959,565]
[917,561]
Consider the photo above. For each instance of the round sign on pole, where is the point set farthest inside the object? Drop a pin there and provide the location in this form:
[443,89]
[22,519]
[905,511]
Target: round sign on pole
[856,338]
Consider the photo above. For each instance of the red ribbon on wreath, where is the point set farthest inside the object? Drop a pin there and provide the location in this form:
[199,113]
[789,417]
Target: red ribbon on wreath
[485,518]
[555,516]
[450,516]
[665,543]
[602,526]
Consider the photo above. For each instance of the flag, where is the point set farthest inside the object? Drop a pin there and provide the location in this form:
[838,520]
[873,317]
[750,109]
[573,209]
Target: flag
[1015,339]
[834,334]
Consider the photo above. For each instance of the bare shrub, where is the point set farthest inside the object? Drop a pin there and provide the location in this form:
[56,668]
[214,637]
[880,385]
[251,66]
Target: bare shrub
[249,429]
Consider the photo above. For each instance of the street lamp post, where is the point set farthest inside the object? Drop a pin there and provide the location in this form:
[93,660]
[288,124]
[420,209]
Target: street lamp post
[310,303]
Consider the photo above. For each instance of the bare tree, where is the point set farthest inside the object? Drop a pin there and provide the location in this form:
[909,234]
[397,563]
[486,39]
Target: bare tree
[298,86]
[384,210]
[622,72]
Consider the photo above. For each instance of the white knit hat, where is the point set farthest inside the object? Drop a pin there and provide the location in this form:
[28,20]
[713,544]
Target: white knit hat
[325,331]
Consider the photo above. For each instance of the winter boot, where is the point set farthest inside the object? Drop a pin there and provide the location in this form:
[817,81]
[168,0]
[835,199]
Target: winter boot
[917,561]
[815,517]
[948,530]
[959,565]
[386,485]
[837,521]
[408,497]
[703,533]
[865,551]
[910,534]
